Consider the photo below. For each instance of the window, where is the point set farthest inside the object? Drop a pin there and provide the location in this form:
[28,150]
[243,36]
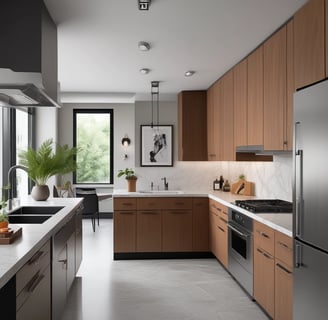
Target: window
[93,136]
[17,134]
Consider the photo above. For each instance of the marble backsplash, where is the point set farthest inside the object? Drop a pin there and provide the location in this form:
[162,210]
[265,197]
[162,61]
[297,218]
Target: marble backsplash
[272,179]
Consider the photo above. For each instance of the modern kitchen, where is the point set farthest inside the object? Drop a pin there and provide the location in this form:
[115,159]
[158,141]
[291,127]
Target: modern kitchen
[210,204]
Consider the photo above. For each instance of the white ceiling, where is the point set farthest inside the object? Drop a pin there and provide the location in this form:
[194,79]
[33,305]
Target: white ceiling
[98,54]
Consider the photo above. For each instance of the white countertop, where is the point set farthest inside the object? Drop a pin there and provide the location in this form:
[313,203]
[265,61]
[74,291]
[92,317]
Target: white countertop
[282,222]
[13,256]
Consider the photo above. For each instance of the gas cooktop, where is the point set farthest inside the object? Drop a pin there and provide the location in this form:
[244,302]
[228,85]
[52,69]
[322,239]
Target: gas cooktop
[266,205]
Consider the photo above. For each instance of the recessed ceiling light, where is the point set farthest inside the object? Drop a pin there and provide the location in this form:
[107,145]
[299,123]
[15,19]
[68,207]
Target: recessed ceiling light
[189,73]
[144,70]
[143,46]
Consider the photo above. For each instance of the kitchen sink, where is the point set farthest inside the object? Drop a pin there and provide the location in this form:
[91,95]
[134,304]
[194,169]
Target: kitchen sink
[28,218]
[36,210]
[32,214]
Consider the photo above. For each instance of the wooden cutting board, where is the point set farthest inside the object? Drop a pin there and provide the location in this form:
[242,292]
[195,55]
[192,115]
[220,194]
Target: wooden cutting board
[9,237]
[243,187]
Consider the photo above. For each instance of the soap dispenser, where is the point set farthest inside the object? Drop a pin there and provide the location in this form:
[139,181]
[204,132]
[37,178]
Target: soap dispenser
[216,184]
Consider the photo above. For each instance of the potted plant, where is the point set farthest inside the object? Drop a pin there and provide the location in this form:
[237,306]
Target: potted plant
[130,177]
[3,212]
[49,160]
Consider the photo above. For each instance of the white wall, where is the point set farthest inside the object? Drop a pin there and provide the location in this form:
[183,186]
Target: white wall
[124,115]
[272,179]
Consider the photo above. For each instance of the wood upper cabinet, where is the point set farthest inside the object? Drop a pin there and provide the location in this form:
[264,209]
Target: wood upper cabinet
[289,121]
[192,126]
[226,118]
[210,125]
[274,82]
[200,225]
[240,103]
[255,97]
[214,96]
[264,267]
[309,43]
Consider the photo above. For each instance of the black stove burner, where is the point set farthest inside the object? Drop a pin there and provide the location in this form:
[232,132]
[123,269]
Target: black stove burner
[265,206]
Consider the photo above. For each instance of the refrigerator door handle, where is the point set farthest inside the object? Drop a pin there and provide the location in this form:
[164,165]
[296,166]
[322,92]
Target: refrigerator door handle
[298,255]
[298,184]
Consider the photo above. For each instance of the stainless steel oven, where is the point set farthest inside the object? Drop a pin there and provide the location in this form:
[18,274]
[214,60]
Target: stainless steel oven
[240,247]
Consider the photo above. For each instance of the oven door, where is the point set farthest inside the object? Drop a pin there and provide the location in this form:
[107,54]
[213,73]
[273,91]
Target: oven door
[240,246]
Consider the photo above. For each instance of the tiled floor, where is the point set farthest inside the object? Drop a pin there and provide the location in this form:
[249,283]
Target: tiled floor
[152,289]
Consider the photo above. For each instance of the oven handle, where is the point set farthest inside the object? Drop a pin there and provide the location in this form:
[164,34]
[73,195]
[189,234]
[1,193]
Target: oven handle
[237,231]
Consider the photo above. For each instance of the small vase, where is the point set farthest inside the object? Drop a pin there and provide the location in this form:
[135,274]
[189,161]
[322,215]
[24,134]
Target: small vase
[132,185]
[40,193]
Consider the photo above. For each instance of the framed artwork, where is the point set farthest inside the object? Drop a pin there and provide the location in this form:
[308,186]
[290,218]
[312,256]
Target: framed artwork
[156,146]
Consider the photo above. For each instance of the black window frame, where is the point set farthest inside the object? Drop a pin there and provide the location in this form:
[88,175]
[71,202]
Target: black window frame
[111,143]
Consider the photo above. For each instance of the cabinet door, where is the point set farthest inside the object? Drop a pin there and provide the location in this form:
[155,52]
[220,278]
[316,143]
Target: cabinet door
[222,238]
[192,126]
[264,279]
[283,291]
[149,231]
[70,261]
[240,103]
[210,124]
[226,117]
[217,121]
[200,225]
[125,231]
[177,230]
[289,123]
[275,73]
[309,43]
[78,241]
[38,304]
[255,97]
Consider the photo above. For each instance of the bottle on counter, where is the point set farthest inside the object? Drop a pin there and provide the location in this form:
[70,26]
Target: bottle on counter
[221,182]
[216,184]
[226,186]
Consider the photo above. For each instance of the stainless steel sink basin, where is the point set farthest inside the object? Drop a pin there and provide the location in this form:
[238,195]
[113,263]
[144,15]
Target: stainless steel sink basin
[30,219]
[36,210]
[163,192]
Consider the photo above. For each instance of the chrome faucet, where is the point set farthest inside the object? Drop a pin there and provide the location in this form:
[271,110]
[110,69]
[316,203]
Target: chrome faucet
[10,191]
[166,184]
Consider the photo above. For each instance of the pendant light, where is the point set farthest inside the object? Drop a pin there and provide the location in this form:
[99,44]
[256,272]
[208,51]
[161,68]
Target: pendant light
[154,100]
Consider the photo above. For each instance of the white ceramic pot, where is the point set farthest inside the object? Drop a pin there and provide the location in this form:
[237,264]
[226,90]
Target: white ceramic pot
[40,193]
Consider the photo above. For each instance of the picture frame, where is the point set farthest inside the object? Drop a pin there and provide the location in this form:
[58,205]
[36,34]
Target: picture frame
[156,147]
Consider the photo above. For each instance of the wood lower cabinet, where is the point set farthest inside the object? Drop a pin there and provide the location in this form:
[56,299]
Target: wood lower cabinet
[218,215]
[160,224]
[149,231]
[283,277]
[125,223]
[200,225]
[177,230]
[264,267]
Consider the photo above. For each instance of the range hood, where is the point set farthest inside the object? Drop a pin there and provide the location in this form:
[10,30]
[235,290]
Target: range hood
[23,89]
[258,150]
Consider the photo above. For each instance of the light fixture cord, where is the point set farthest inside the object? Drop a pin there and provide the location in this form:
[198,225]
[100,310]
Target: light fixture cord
[152,106]
[158,107]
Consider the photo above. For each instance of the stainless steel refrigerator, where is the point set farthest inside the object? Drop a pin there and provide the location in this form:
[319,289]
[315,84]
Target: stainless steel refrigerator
[310,195]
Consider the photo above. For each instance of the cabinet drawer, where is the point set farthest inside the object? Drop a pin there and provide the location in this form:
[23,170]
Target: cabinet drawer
[39,261]
[125,203]
[284,248]
[264,237]
[220,209]
[149,203]
[177,203]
